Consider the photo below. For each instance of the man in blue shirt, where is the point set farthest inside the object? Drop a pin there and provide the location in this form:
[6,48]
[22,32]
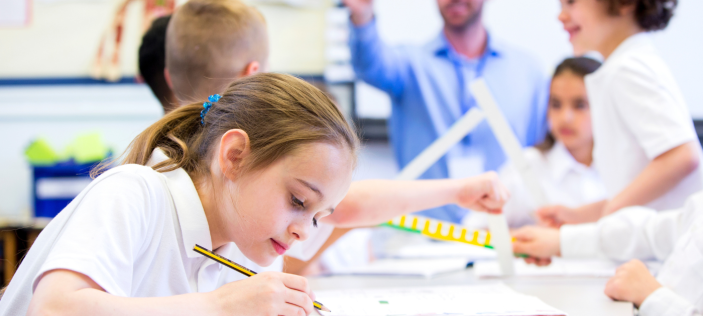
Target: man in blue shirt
[429,89]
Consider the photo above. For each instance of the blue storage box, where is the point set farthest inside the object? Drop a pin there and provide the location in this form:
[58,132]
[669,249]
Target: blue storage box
[57,185]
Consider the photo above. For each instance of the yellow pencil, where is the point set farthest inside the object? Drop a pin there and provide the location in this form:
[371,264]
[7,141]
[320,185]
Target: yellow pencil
[239,268]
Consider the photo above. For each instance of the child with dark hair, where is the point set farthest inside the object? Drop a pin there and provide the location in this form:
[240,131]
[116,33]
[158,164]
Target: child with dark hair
[647,153]
[646,149]
[563,162]
[152,62]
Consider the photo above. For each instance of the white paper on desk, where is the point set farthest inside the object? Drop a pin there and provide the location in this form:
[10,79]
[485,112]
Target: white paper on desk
[425,268]
[558,268]
[488,299]
[443,250]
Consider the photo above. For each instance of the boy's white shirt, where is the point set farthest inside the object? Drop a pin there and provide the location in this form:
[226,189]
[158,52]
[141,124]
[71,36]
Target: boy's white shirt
[132,231]
[638,113]
[564,180]
[674,236]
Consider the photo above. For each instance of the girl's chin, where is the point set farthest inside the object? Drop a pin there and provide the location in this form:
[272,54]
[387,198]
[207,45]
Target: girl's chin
[261,258]
[265,261]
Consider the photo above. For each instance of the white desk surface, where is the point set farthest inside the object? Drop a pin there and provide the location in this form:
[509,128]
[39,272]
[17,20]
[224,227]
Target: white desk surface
[574,296]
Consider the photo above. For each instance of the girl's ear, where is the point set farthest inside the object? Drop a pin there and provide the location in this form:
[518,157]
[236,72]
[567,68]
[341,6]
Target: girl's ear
[627,9]
[234,149]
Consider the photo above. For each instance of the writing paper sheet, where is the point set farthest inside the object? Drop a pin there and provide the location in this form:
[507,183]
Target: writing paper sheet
[442,250]
[558,268]
[491,299]
[426,268]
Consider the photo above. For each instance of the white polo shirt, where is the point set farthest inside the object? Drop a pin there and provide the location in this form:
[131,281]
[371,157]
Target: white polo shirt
[132,231]
[636,232]
[638,113]
[564,181]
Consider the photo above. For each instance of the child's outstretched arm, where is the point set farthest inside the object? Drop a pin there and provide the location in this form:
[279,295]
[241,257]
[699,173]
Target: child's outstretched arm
[64,292]
[371,202]
[661,175]
[632,233]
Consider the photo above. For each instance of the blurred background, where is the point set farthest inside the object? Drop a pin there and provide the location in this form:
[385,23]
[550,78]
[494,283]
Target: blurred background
[49,89]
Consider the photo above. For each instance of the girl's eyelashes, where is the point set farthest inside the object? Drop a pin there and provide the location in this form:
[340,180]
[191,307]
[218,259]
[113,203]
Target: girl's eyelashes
[301,205]
[297,203]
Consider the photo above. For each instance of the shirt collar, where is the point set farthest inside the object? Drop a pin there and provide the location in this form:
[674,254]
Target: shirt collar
[561,162]
[634,42]
[191,215]
[441,46]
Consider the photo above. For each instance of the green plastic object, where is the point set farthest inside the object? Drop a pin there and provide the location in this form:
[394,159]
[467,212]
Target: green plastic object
[88,148]
[85,148]
[40,153]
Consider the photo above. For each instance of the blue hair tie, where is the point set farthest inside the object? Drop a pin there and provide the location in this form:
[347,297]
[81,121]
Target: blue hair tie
[207,105]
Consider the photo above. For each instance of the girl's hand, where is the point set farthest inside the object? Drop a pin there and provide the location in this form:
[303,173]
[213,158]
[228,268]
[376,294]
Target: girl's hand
[483,193]
[267,293]
[552,216]
[539,243]
[632,283]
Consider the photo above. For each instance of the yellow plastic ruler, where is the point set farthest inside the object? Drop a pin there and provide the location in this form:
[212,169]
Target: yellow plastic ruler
[440,230]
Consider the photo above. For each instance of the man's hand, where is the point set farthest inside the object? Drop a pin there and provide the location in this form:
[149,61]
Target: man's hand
[632,283]
[361,11]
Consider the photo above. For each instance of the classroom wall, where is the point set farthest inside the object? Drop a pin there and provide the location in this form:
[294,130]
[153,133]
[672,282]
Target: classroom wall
[63,35]
[533,26]
[58,114]
[61,42]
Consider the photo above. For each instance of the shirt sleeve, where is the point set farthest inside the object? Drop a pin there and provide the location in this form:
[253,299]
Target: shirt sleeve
[374,62]
[630,233]
[307,249]
[654,114]
[664,302]
[105,233]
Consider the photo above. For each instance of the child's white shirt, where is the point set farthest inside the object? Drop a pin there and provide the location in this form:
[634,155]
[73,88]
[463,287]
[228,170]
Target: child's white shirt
[674,236]
[563,180]
[638,113]
[132,231]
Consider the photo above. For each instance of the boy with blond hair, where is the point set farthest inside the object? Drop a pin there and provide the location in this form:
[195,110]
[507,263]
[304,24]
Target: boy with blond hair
[210,43]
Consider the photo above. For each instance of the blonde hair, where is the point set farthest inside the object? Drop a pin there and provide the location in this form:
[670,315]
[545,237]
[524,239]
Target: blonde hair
[209,43]
[278,112]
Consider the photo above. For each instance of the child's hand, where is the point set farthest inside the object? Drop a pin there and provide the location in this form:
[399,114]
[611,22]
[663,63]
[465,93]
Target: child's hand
[267,293]
[483,193]
[632,283]
[552,216]
[539,243]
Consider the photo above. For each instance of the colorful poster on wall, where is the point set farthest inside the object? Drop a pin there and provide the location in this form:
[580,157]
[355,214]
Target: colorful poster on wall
[14,13]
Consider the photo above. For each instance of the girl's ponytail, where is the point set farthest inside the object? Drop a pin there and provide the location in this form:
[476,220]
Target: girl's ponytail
[278,112]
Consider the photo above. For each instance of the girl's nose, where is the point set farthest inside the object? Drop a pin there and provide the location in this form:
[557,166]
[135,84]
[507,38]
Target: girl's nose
[563,15]
[299,231]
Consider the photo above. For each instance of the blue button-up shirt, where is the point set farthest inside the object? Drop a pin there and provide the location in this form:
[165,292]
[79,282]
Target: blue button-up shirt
[428,86]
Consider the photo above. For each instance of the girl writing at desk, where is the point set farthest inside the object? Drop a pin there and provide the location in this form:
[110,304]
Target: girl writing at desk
[251,174]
